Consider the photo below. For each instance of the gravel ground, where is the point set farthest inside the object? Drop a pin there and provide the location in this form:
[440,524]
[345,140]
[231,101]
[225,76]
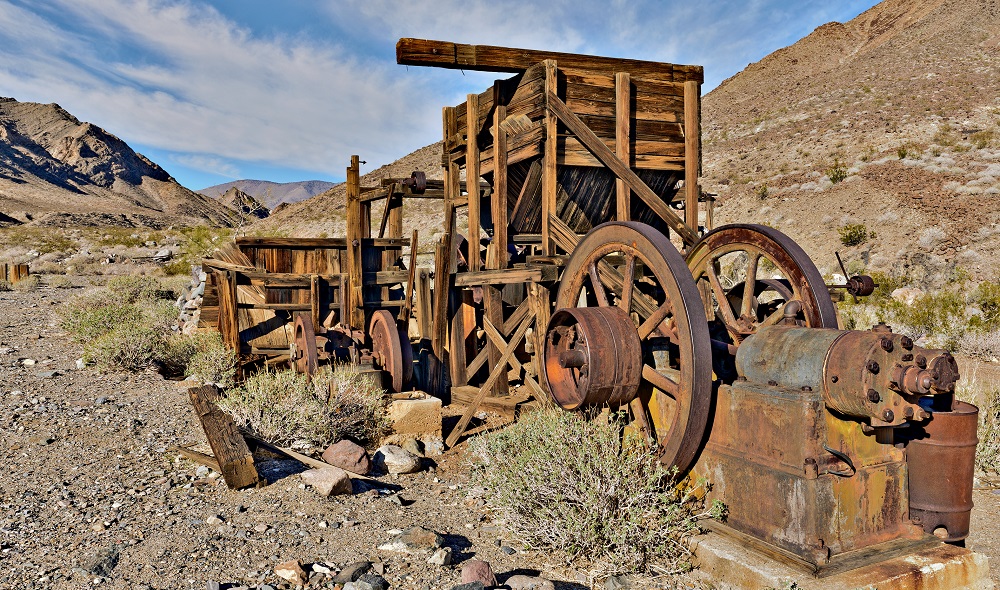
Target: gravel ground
[89,481]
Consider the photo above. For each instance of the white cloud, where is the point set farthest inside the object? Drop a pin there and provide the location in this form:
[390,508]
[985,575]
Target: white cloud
[207,163]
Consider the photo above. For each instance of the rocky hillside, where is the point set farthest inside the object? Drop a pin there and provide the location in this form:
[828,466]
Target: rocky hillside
[272,194]
[324,214]
[246,207]
[57,170]
[889,121]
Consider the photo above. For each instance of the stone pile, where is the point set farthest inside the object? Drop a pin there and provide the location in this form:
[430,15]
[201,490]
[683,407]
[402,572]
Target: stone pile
[189,303]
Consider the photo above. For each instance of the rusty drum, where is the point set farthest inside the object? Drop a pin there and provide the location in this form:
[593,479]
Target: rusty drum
[941,459]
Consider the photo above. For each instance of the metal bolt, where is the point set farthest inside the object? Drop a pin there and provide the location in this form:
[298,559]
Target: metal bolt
[907,357]
[908,412]
[886,344]
[921,361]
[806,388]
[887,415]
[906,342]
[834,378]
[873,367]
[873,396]
[772,383]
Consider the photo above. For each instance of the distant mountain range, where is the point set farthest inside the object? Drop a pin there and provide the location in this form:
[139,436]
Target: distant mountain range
[58,170]
[272,194]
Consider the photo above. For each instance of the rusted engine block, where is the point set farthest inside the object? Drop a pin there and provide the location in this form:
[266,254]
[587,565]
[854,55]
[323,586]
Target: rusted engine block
[832,444]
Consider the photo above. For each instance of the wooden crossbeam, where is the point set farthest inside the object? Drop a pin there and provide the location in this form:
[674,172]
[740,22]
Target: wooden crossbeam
[499,369]
[497,339]
[603,153]
[488,58]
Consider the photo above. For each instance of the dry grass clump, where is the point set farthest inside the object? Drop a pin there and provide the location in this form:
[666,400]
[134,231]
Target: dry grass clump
[561,482]
[986,396]
[210,361]
[60,282]
[5,285]
[284,408]
[28,283]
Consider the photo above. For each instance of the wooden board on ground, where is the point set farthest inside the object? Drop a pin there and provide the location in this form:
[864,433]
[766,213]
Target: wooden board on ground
[230,450]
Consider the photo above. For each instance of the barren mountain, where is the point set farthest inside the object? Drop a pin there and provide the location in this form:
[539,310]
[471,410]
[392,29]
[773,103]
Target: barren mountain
[245,206]
[889,120]
[324,214]
[272,194]
[57,170]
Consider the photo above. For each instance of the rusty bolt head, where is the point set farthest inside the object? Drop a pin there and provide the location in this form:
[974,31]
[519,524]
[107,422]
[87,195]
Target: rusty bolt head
[873,367]
[873,396]
[907,357]
[834,378]
[886,344]
[908,412]
[921,361]
[888,416]
[772,383]
[906,343]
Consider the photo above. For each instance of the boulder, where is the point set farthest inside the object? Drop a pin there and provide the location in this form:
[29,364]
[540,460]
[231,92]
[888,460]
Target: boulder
[414,540]
[349,457]
[475,570]
[328,481]
[291,571]
[394,460]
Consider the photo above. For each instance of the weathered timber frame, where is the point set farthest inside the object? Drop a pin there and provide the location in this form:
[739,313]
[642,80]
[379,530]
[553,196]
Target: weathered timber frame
[548,141]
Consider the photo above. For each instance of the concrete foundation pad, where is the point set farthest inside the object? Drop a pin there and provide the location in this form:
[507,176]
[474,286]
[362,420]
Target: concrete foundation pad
[729,565]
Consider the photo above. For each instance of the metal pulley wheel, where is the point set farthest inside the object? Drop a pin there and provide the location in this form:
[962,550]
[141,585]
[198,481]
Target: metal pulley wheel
[417,182]
[629,329]
[303,354]
[391,348]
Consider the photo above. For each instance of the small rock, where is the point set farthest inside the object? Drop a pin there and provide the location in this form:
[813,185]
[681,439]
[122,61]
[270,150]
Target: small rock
[213,520]
[266,587]
[80,364]
[103,562]
[374,581]
[328,481]
[349,457]
[508,550]
[470,586]
[28,362]
[47,374]
[352,572]
[291,571]
[528,583]
[319,568]
[475,570]
[414,446]
[396,460]
[616,583]
[261,528]
[414,540]
[212,585]
[441,557]
[202,471]
[100,401]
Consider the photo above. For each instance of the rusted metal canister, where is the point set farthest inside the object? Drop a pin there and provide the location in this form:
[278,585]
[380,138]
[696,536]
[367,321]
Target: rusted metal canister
[941,460]
[593,357]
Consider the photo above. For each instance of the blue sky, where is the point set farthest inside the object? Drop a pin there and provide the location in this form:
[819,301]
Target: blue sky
[221,90]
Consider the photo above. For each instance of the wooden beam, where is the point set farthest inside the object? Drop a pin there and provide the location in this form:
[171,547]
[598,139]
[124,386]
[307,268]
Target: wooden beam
[539,302]
[603,153]
[494,336]
[407,311]
[424,321]
[502,276]
[498,369]
[472,176]
[355,294]
[549,159]
[692,152]
[228,447]
[487,58]
[499,200]
[623,135]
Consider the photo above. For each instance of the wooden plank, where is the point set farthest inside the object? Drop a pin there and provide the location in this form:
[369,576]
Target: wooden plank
[692,151]
[549,176]
[292,242]
[494,336]
[441,287]
[486,58]
[472,174]
[502,276]
[407,311]
[478,362]
[498,369]
[539,301]
[623,134]
[501,405]
[515,319]
[457,348]
[355,294]
[199,458]
[424,321]
[228,446]
[499,200]
[608,158]
[304,459]
[493,312]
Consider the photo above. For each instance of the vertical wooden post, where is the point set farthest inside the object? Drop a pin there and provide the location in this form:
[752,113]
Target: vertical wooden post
[497,254]
[623,138]
[355,231]
[472,178]
[314,299]
[234,299]
[549,159]
[539,302]
[692,152]
[424,323]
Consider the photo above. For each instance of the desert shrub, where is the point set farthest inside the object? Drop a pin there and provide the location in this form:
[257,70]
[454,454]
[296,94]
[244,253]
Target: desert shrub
[93,314]
[159,313]
[986,297]
[560,482]
[48,268]
[943,315]
[177,268]
[854,234]
[838,172]
[981,345]
[132,288]
[988,451]
[131,346]
[5,285]
[60,282]
[210,361]
[944,135]
[982,139]
[285,408]
[761,191]
[28,283]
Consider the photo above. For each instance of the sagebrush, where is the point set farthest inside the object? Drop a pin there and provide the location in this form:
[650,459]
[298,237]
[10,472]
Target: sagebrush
[285,408]
[558,481]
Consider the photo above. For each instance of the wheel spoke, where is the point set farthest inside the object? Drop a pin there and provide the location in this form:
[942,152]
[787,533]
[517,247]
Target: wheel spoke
[654,320]
[720,296]
[661,381]
[750,286]
[595,282]
[625,301]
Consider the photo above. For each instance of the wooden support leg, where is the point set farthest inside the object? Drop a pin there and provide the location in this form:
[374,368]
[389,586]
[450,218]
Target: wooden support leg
[493,305]
[538,297]
[228,446]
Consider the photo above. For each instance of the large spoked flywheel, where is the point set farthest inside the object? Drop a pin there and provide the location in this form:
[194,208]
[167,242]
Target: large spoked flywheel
[630,329]
[755,276]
